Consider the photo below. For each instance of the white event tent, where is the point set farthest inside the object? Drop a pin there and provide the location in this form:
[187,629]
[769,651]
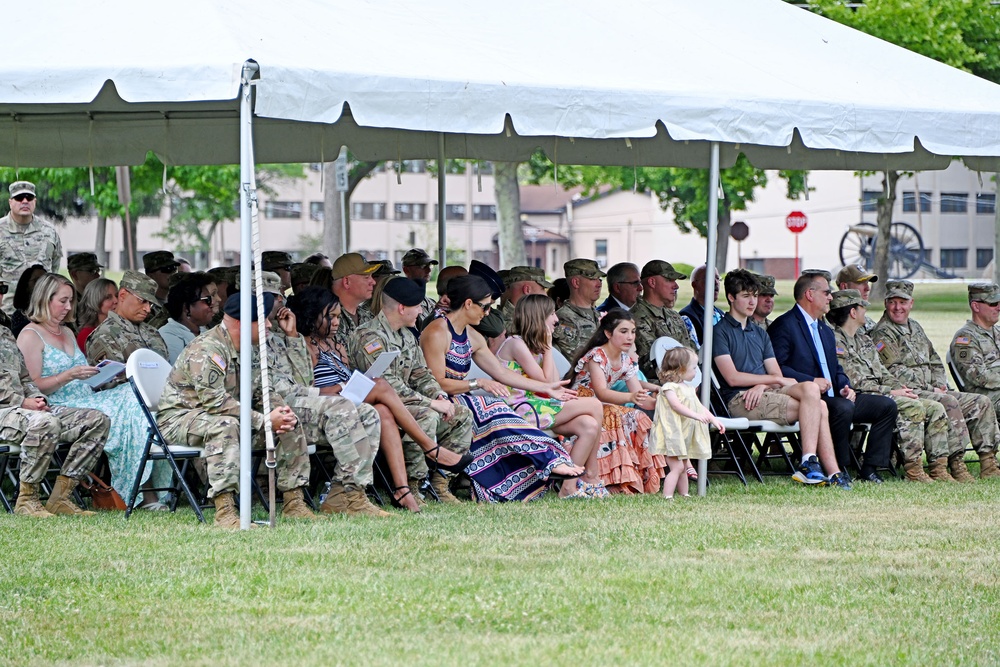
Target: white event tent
[641,82]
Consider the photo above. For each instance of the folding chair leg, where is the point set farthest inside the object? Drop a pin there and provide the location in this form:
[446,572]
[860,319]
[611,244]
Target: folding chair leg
[182,483]
[4,456]
[731,454]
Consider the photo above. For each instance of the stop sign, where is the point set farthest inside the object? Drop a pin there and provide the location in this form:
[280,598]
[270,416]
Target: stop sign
[796,222]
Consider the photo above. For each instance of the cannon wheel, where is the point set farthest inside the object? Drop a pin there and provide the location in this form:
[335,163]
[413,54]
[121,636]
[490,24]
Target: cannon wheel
[906,248]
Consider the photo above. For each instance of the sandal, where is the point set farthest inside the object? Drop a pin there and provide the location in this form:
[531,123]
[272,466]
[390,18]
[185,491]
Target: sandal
[597,490]
[579,493]
[692,473]
[462,464]
[398,500]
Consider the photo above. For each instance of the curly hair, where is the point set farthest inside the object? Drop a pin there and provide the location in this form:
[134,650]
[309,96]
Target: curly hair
[309,305]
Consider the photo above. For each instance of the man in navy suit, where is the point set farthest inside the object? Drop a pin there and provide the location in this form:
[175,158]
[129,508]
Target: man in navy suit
[624,287]
[806,350]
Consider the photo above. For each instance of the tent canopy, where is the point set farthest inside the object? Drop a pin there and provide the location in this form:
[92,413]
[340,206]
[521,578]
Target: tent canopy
[653,84]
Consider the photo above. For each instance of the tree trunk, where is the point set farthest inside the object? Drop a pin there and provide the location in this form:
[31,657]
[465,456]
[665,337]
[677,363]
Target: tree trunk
[129,225]
[884,216]
[511,236]
[332,220]
[100,240]
[723,227]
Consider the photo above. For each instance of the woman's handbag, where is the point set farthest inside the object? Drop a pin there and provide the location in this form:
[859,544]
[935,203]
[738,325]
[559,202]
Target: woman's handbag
[105,497]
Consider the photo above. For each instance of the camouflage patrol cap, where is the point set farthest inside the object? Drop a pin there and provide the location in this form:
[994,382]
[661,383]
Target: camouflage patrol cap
[385,268]
[303,272]
[275,259]
[766,286]
[176,278]
[271,283]
[21,187]
[83,261]
[855,273]
[658,267]
[820,273]
[519,274]
[225,274]
[140,285]
[504,275]
[847,297]
[899,289]
[158,260]
[985,292]
[587,268]
[417,257]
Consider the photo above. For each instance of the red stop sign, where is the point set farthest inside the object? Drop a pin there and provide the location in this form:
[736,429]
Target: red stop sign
[796,222]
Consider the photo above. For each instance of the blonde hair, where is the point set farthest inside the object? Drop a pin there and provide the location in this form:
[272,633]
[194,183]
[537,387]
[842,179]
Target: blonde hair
[45,289]
[675,361]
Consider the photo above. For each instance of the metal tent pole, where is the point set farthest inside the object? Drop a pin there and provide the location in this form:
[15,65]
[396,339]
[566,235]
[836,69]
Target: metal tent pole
[706,343]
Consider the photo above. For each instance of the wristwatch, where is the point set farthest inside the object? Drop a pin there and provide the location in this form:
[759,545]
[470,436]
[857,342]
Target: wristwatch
[473,385]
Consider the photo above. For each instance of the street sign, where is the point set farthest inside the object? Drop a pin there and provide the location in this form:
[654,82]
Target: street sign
[340,171]
[796,222]
[739,231]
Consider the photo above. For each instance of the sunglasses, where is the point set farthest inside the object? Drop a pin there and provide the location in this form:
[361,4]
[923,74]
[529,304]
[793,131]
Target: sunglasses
[207,300]
[24,197]
[485,306]
[168,269]
[3,288]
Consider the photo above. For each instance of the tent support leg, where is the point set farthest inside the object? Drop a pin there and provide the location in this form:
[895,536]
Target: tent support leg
[442,225]
[706,343]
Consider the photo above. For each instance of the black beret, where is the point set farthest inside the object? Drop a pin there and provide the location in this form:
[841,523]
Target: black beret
[492,278]
[405,291]
[232,307]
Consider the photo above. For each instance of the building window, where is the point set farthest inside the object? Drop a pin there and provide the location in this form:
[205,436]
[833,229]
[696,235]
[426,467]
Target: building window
[983,257]
[954,202]
[484,212]
[869,200]
[368,210]
[910,202]
[986,203]
[954,258]
[283,209]
[451,211]
[409,211]
[316,211]
[601,252]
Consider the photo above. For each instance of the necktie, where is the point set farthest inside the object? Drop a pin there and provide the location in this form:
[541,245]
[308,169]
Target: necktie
[822,356]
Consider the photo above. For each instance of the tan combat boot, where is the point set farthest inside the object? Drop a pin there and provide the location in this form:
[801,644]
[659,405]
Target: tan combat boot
[415,485]
[915,472]
[938,470]
[359,505]
[956,464]
[440,485]
[226,515]
[28,503]
[60,502]
[336,501]
[988,465]
[295,506]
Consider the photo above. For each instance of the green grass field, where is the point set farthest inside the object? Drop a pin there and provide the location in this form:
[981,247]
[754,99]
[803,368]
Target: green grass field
[772,574]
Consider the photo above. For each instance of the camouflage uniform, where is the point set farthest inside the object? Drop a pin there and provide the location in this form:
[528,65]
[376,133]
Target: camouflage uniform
[908,354]
[507,313]
[200,407]
[158,316]
[38,432]
[975,351]
[116,338]
[351,432]
[922,423]
[416,386]
[652,323]
[576,326]
[21,246]
[349,324]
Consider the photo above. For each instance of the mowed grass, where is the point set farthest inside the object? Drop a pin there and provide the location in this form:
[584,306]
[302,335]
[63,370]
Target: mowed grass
[771,574]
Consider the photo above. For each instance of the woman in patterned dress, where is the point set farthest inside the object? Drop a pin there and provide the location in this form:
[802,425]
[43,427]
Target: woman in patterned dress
[514,461]
[528,351]
[625,461]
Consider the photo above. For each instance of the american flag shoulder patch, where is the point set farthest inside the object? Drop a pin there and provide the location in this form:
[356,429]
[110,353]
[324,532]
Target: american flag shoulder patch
[879,345]
[219,361]
[962,340]
[841,351]
[373,347]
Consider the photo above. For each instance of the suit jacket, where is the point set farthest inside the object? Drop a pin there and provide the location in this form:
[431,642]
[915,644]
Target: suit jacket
[796,354]
[696,313]
[608,304]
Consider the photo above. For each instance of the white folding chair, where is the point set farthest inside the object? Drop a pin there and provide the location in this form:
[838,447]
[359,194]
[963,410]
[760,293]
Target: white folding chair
[147,373]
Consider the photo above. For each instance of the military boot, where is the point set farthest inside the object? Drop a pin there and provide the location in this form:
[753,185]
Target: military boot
[226,515]
[988,465]
[336,501]
[440,485]
[358,503]
[295,505]
[915,472]
[60,502]
[938,470]
[956,464]
[28,503]
[415,486]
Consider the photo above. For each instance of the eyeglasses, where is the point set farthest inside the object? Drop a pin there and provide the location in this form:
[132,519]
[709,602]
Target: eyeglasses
[143,301]
[485,306]
[826,291]
[633,283]
[24,196]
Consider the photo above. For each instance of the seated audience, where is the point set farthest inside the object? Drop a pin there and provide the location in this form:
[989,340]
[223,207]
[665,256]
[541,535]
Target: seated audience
[559,292]
[100,297]
[22,297]
[654,313]
[83,269]
[695,310]
[578,319]
[624,287]
[192,303]
[765,302]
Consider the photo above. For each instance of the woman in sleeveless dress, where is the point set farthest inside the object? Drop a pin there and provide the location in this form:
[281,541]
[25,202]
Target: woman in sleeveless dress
[514,461]
[528,351]
[627,466]
[57,366]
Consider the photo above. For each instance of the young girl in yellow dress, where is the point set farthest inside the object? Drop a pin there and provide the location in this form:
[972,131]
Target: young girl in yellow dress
[680,424]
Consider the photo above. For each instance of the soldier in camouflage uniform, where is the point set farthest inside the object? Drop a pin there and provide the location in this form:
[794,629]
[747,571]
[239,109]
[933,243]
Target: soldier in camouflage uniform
[353,284]
[765,302]
[908,354]
[351,432]
[417,267]
[159,265]
[301,273]
[27,420]
[654,314]
[280,263]
[199,407]
[975,349]
[25,239]
[578,318]
[413,381]
[83,269]
[125,330]
[922,423]
[521,281]
[859,278]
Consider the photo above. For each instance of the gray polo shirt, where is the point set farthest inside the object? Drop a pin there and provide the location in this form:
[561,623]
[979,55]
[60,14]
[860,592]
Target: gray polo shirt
[748,347]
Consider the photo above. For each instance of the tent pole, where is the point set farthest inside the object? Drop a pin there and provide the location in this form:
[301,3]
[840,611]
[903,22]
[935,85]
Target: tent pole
[442,225]
[709,296]
[246,252]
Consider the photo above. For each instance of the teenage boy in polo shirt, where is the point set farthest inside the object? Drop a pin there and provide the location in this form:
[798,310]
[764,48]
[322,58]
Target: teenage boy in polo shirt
[753,386]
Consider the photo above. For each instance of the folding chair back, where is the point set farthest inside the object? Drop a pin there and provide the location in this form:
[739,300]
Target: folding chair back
[959,380]
[562,363]
[149,371]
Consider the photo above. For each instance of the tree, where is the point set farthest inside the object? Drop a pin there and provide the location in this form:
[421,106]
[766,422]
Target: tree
[333,222]
[510,238]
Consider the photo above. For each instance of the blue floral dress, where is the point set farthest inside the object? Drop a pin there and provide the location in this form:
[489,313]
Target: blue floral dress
[127,436]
